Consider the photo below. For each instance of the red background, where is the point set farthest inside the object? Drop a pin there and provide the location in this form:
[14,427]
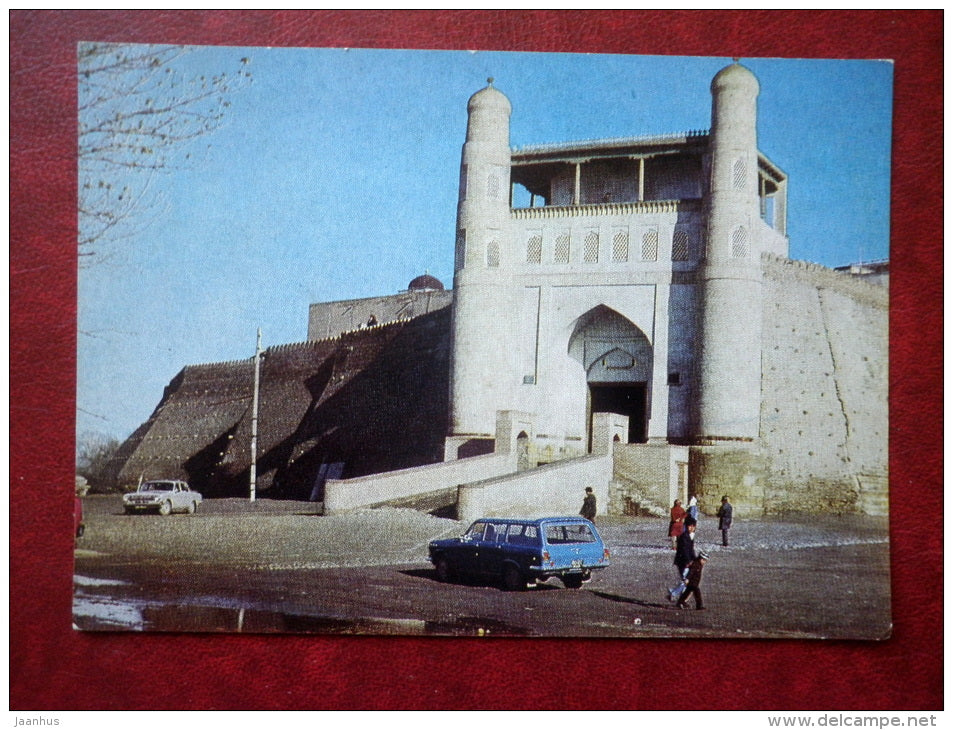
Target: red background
[53,667]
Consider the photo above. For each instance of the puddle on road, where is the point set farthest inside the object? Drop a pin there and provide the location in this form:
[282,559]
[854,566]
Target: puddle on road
[96,613]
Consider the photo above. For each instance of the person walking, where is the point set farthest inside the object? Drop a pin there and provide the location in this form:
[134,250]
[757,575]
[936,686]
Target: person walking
[684,556]
[676,524]
[589,505]
[724,519]
[692,582]
[693,508]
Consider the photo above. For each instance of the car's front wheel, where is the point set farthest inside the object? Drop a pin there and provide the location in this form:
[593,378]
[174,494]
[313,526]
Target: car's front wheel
[444,572]
[165,508]
[513,578]
[191,508]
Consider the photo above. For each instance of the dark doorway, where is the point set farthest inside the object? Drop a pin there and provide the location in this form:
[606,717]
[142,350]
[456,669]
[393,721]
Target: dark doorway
[626,400]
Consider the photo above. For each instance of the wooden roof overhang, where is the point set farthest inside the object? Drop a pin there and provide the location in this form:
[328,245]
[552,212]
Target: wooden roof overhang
[535,166]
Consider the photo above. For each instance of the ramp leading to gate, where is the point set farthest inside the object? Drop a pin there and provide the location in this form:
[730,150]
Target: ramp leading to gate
[494,484]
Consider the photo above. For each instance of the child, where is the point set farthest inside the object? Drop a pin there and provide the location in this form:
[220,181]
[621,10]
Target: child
[692,582]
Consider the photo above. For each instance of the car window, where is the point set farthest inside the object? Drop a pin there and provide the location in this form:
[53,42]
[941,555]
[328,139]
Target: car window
[568,534]
[523,535]
[476,531]
[157,486]
[495,532]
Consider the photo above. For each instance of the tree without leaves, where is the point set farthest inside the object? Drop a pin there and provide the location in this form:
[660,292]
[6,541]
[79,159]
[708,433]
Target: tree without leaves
[94,452]
[137,115]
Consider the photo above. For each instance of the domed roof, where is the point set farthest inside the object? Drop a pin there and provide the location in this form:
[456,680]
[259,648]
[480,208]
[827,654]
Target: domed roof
[736,76]
[489,97]
[424,282]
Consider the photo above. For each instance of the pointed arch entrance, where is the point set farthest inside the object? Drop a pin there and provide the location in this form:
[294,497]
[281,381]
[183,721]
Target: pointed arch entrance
[617,357]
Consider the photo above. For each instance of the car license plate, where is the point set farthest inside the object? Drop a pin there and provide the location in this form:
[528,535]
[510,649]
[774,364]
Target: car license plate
[576,564]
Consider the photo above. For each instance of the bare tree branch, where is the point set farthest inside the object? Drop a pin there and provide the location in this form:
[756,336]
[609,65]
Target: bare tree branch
[138,113]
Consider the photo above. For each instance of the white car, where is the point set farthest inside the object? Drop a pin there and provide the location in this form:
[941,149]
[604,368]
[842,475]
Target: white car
[164,496]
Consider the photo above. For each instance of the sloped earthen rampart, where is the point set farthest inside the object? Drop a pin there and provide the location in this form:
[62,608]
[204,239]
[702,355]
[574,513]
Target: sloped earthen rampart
[366,401]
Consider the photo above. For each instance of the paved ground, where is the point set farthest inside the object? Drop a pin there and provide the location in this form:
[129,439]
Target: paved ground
[277,566]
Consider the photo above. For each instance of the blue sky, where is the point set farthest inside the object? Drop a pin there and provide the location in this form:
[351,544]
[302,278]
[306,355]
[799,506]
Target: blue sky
[335,177]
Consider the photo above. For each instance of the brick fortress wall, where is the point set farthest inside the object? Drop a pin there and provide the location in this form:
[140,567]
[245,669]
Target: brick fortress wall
[824,413]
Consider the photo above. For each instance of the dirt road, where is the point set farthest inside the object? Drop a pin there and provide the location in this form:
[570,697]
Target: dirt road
[277,566]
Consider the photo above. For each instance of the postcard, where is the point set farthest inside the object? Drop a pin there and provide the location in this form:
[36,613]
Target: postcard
[457,343]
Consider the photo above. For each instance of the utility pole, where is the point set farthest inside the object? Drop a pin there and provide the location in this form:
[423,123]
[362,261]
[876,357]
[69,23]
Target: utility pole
[254,420]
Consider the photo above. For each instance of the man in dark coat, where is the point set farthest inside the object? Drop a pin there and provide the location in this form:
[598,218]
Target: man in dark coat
[589,506]
[724,519]
[684,556]
[693,581]
[685,547]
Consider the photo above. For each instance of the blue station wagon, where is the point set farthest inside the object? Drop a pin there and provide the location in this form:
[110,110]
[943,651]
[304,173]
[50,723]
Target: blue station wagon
[518,552]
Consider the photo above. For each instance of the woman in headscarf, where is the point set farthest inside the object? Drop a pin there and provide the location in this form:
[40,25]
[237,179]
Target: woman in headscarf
[693,508]
[677,522]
